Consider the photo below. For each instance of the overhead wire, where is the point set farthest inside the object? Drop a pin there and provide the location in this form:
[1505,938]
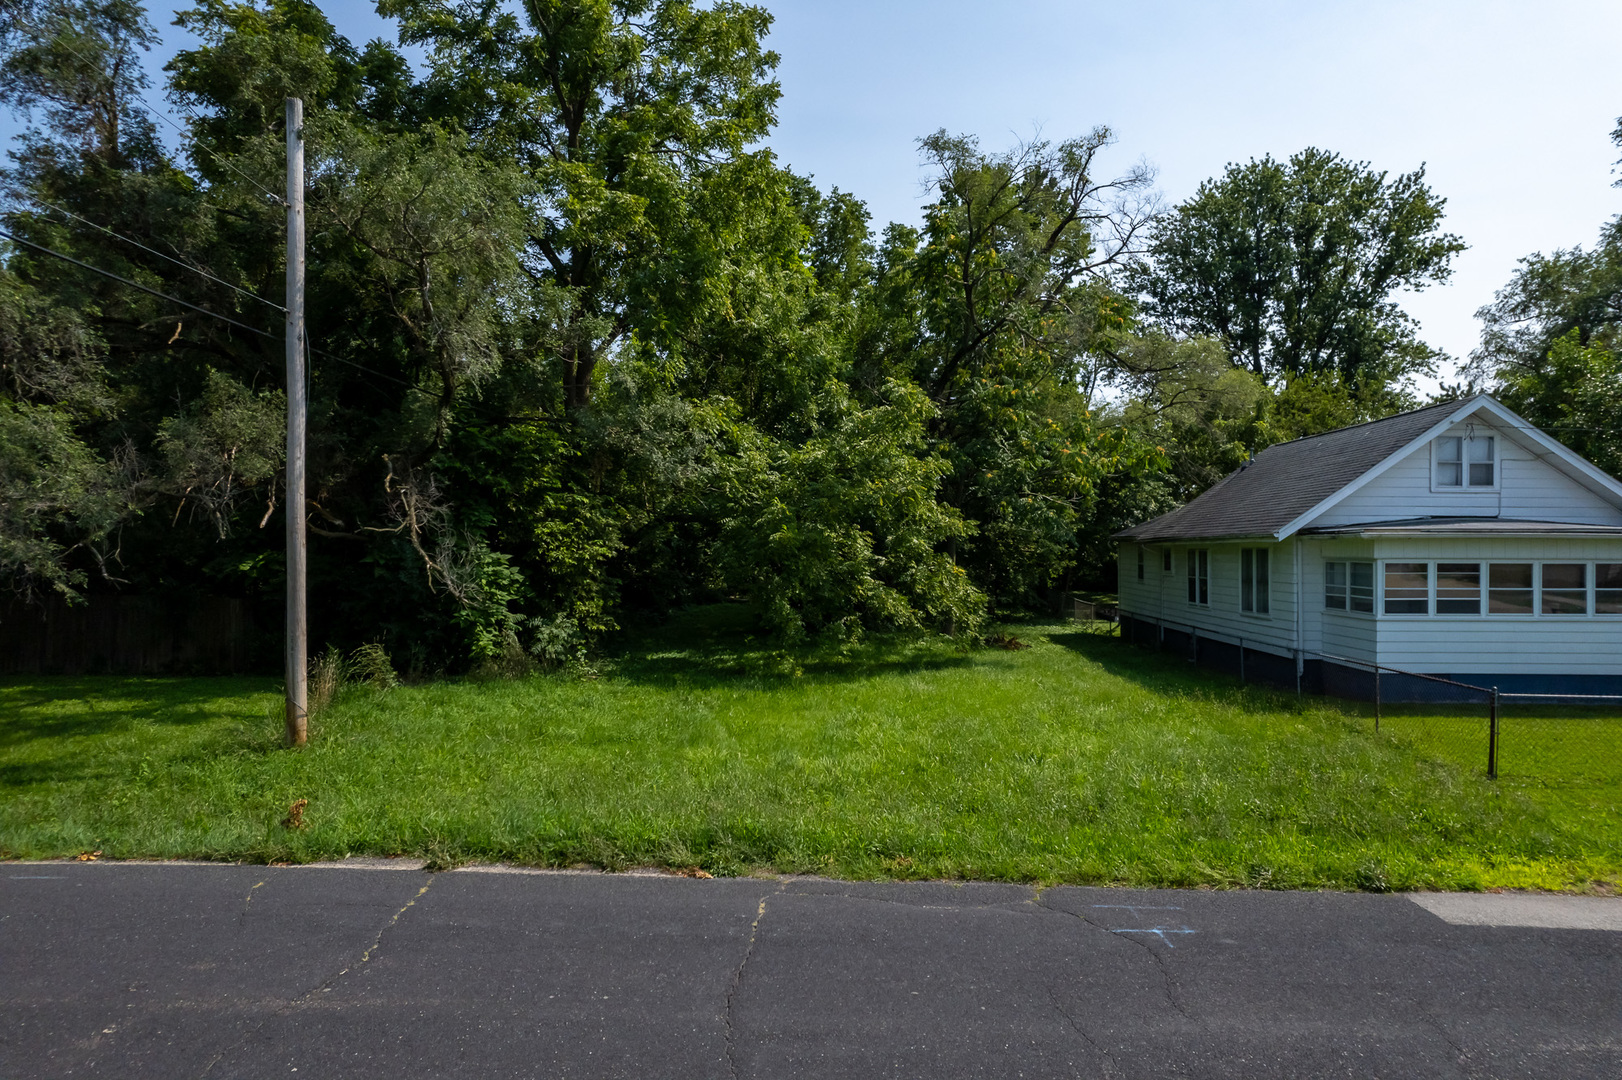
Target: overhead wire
[205,311]
[178,262]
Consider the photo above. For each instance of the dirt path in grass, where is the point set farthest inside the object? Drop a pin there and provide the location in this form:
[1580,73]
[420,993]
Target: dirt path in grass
[385,970]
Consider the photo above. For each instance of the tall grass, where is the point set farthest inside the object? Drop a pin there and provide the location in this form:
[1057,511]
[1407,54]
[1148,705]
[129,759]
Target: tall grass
[1076,760]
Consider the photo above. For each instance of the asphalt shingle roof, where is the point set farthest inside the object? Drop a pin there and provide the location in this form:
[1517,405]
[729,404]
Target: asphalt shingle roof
[1287,480]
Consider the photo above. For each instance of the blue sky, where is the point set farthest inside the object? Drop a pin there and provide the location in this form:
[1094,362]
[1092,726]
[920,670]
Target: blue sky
[1509,105]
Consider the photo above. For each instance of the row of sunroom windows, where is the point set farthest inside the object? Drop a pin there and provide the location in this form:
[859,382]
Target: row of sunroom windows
[1426,588]
[1469,588]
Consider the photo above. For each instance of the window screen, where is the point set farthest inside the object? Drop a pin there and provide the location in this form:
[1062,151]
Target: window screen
[1608,588]
[1458,588]
[1565,589]
[1361,592]
[1449,461]
[1335,586]
[1509,588]
[1407,588]
[1479,453]
[1199,576]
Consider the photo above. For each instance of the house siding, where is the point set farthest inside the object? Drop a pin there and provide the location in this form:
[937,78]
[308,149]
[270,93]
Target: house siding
[1163,596]
[1493,644]
[1528,488]
[1579,654]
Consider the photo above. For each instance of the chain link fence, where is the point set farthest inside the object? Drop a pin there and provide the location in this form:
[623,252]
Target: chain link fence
[1550,737]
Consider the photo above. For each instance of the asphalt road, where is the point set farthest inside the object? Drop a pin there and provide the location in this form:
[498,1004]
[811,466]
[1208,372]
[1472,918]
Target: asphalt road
[141,970]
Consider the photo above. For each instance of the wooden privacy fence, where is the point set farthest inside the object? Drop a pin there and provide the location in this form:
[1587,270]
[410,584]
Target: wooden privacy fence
[128,635]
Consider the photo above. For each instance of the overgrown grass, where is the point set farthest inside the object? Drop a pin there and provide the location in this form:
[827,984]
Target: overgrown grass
[1076,760]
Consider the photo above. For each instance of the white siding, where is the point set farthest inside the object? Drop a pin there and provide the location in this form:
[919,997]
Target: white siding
[1164,596]
[1501,644]
[1348,634]
[1529,487]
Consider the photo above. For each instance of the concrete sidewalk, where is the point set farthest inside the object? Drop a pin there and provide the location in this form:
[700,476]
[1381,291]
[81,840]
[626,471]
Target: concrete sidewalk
[164,970]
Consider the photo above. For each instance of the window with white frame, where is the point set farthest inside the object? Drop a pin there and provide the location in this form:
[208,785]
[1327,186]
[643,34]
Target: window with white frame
[1407,588]
[1564,589]
[1608,588]
[1165,560]
[1199,575]
[1465,461]
[1458,588]
[1349,586]
[1254,581]
[1361,590]
[1140,562]
[1509,588]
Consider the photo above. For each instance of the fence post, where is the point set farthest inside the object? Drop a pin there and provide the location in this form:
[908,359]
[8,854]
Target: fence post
[1376,699]
[1492,738]
[1241,659]
[1193,645]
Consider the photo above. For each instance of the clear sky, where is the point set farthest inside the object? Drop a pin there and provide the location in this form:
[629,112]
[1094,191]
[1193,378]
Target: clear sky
[1508,105]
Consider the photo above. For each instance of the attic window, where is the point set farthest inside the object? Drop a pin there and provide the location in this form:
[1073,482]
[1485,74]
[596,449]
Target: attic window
[1465,461]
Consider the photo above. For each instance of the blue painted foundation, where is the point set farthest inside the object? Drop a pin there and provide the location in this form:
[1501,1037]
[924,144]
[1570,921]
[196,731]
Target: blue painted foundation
[1339,680]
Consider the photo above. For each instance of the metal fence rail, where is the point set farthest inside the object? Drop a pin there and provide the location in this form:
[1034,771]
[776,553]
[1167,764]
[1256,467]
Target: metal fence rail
[1554,736]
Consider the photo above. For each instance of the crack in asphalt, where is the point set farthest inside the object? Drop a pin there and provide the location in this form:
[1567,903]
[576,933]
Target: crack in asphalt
[737,980]
[367,955]
[1463,1055]
[1168,983]
[321,987]
[1110,1068]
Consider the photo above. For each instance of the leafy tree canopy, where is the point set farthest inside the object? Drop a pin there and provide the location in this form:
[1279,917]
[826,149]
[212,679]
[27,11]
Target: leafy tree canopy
[1293,265]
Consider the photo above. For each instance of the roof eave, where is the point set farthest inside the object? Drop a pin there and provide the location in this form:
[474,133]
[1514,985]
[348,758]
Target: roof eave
[1369,475]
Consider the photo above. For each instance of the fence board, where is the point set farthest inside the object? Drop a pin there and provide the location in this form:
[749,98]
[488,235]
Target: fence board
[128,635]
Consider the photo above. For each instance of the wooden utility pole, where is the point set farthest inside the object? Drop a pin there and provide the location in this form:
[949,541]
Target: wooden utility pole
[298,697]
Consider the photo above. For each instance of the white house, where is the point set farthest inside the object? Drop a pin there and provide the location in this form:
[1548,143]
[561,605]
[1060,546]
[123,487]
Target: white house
[1456,540]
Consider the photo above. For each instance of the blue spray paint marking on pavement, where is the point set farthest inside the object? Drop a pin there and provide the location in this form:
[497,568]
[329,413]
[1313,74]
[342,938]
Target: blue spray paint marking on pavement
[1135,908]
[1158,931]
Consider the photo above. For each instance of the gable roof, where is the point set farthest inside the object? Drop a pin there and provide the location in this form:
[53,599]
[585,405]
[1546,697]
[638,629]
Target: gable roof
[1288,484]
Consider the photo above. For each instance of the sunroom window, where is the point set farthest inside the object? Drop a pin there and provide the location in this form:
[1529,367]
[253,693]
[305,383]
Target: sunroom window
[1407,588]
[1458,588]
[1509,588]
[1565,588]
[1608,588]
[1362,588]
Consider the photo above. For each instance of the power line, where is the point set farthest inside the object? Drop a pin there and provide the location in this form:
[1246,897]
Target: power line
[203,310]
[178,262]
[138,285]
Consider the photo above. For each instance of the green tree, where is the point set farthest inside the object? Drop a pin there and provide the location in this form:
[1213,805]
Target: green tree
[1550,297]
[1293,265]
[994,309]
[616,110]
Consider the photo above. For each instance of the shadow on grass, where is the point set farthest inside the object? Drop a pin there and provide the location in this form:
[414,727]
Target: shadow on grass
[720,644]
[58,707]
[1154,671]
[1574,745]
[1168,673]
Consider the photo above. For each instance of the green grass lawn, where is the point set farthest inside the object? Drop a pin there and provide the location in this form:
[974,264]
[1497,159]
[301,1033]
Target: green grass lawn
[1079,759]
